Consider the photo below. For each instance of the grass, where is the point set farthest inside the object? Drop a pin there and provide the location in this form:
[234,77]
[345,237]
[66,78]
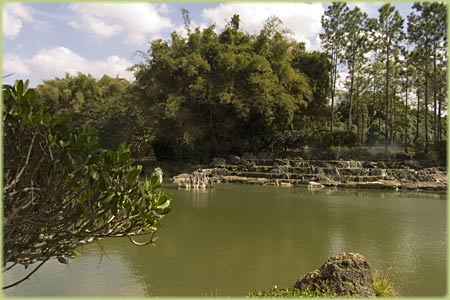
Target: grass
[290,293]
[383,286]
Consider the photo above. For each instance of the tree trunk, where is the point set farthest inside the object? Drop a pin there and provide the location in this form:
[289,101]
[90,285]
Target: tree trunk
[333,87]
[406,112]
[427,55]
[426,109]
[440,118]
[352,72]
[386,121]
[435,131]
[416,138]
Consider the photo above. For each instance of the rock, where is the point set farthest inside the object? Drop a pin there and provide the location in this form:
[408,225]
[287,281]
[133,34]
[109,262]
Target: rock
[263,155]
[315,185]
[233,159]
[402,156]
[218,161]
[370,164]
[180,178]
[220,172]
[247,156]
[347,274]
[414,164]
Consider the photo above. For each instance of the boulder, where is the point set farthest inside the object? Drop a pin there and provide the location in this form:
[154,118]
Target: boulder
[315,185]
[233,159]
[346,275]
[220,172]
[218,161]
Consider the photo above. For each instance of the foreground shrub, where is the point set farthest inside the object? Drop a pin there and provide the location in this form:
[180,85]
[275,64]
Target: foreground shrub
[383,286]
[61,190]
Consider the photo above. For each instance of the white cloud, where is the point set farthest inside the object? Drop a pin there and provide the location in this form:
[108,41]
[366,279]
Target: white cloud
[181,30]
[54,62]
[11,25]
[371,8]
[14,64]
[140,21]
[301,18]
[14,14]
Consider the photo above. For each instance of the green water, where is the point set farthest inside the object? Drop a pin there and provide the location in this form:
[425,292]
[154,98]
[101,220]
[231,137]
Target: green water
[232,239]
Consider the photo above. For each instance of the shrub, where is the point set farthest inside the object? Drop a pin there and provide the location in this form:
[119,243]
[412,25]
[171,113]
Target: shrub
[383,286]
[61,190]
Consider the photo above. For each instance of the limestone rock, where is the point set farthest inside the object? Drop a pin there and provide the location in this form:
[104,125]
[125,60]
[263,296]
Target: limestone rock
[347,274]
[233,159]
[218,161]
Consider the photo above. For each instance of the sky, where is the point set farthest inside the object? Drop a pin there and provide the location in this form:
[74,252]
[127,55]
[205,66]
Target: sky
[46,40]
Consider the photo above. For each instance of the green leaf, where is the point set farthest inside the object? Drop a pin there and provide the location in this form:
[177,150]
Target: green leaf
[25,85]
[30,95]
[93,173]
[19,88]
[108,198]
[154,180]
[132,175]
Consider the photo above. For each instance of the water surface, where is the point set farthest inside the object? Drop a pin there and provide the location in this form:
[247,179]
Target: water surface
[232,239]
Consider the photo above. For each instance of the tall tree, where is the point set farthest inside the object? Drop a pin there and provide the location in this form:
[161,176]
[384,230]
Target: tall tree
[427,31]
[332,24]
[390,36]
[354,48]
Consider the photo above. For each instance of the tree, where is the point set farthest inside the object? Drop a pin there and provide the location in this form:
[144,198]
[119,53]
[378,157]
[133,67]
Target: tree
[390,36]
[354,48]
[62,191]
[427,30]
[213,94]
[105,104]
[332,24]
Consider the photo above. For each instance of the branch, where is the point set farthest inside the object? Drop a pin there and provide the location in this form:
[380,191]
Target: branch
[14,182]
[10,74]
[9,268]
[26,277]
[151,240]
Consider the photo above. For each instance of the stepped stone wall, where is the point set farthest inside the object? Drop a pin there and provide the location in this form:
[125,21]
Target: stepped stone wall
[392,174]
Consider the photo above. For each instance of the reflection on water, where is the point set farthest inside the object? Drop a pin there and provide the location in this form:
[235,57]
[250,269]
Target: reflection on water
[232,239]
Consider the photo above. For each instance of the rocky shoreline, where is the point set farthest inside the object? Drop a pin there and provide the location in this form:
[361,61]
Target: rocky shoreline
[316,174]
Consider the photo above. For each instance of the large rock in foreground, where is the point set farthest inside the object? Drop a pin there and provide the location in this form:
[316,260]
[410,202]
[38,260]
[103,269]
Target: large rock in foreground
[347,275]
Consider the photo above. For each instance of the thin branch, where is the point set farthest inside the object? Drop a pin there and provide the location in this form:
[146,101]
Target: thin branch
[9,268]
[151,240]
[26,277]
[10,74]
[12,184]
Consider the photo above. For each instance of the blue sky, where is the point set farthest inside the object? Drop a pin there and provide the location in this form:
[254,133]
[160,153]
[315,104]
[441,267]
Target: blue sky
[46,40]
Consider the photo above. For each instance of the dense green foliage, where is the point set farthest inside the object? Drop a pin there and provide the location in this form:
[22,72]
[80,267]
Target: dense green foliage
[61,190]
[210,94]
[105,104]
[232,92]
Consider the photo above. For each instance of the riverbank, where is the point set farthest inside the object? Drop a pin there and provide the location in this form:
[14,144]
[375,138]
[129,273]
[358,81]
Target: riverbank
[420,175]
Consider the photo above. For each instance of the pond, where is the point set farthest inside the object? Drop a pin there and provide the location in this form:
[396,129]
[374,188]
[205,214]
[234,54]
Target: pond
[232,239]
